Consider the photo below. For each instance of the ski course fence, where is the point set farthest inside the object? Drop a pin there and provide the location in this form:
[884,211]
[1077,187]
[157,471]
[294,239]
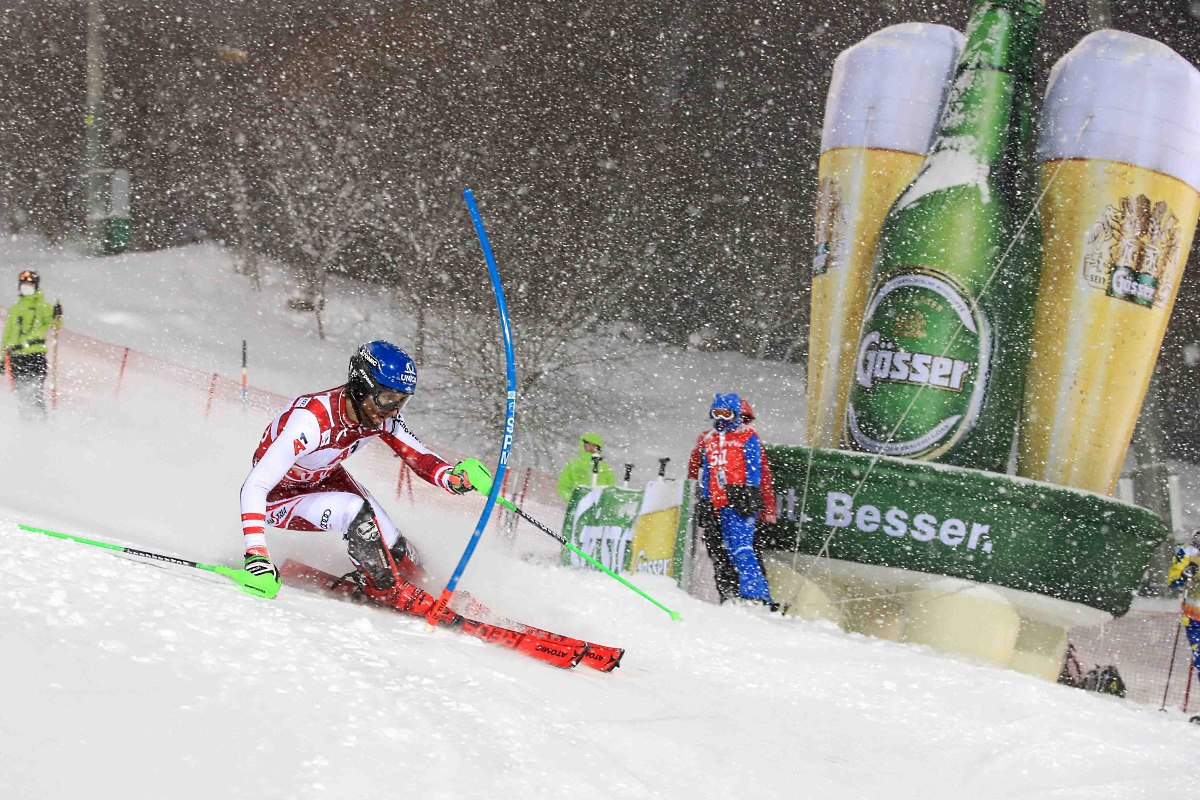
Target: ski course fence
[1149,650]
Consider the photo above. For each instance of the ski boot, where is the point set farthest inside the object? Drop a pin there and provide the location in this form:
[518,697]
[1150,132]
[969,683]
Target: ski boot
[402,596]
[365,545]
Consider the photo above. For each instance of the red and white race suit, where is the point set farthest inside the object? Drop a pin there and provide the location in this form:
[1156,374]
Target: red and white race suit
[298,481]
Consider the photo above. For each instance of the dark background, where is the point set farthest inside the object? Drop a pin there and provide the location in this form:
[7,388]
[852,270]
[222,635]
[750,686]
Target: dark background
[649,162]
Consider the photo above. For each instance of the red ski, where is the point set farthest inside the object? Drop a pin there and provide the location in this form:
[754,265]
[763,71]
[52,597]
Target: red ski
[598,656]
[554,649]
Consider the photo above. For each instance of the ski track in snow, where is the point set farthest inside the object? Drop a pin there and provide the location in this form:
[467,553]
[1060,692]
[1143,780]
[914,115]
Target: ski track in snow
[128,679]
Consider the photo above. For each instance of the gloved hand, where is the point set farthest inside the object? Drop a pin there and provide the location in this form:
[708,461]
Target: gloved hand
[58,310]
[264,577]
[745,500]
[469,474]
[1190,571]
[706,515]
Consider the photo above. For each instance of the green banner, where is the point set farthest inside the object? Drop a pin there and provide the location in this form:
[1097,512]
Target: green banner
[600,522]
[691,491]
[980,526]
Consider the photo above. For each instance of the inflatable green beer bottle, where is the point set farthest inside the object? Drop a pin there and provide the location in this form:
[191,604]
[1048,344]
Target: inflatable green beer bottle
[944,343]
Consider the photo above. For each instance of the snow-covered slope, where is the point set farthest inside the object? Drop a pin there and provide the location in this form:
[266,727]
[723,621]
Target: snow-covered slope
[129,680]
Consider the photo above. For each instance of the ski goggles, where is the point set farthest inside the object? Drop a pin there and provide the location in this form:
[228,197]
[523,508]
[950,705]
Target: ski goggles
[722,413]
[27,277]
[390,401]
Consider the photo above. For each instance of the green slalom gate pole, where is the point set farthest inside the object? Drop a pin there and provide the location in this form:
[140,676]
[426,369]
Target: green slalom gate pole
[250,584]
[571,546]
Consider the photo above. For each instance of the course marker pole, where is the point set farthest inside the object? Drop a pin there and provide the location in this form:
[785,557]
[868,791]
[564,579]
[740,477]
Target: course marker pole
[510,412]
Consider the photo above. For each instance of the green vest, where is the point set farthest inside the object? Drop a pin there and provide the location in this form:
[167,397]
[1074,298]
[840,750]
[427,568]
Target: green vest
[28,325]
[578,472]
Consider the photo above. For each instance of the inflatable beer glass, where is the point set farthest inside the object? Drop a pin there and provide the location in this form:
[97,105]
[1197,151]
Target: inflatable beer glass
[882,109]
[1120,153]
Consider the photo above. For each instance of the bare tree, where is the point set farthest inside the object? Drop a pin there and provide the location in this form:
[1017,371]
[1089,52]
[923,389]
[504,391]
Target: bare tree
[314,173]
[418,222]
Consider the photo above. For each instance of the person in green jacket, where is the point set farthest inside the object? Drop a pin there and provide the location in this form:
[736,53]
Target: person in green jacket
[580,469]
[25,331]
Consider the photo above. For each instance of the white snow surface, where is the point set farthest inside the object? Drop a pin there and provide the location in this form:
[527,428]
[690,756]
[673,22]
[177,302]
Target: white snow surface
[129,679]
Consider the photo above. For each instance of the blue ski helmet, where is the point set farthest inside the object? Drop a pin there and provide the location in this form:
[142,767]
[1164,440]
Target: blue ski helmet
[378,367]
[726,412]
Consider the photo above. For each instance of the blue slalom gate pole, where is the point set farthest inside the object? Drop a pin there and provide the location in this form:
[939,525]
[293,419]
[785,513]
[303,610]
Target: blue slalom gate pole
[510,413]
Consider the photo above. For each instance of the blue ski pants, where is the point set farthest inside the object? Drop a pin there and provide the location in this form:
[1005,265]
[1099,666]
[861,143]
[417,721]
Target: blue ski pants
[738,534]
[1193,634]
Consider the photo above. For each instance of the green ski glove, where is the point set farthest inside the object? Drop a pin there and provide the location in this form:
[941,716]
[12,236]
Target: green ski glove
[469,474]
[261,577]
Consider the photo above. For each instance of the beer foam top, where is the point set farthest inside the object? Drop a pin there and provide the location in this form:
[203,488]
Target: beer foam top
[887,91]
[1121,97]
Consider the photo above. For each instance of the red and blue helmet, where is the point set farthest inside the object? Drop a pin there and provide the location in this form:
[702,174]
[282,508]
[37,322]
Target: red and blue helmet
[377,368]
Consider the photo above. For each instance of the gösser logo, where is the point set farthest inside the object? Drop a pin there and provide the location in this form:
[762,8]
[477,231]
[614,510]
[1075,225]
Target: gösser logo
[913,306]
[880,360]
[883,361]
[952,532]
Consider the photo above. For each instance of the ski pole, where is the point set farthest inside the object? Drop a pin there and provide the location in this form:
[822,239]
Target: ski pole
[250,584]
[1171,666]
[1187,690]
[54,366]
[510,413]
[565,542]
[245,385]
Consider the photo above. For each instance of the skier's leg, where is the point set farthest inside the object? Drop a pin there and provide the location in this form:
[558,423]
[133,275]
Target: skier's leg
[41,368]
[738,533]
[318,510]
[1193,635]
[406,565]
[373,542]
[27,381]
[368,550]
[366,529]
[387,562]
[724,574]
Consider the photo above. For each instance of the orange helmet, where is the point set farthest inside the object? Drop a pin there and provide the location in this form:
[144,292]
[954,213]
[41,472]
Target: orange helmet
[29,276]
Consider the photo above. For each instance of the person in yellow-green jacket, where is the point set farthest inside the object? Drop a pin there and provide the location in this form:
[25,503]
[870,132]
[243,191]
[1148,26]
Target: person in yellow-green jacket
[25,331]
[581,469]
[1181,576]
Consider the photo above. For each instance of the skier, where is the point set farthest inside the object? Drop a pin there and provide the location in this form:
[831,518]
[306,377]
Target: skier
[1182,575]
[724,573]
[25,330]
[580,469]
[730,474]
[297,481]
